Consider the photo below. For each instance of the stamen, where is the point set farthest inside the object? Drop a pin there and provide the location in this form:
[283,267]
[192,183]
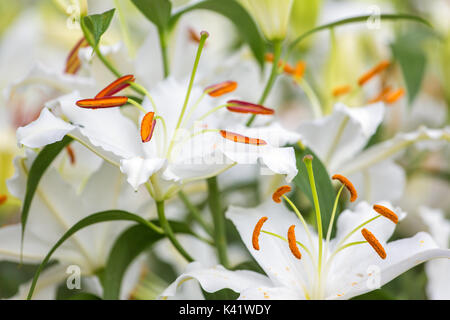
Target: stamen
[241,139]
[147,127]
[257,231]
[293,242]
[247,107]
[341,90]
[394,96]
[269,57]
[107,102]
[376,245]
[193,35]
[386,213]
[300,68]
[219,89]
[373,72]
[71,154]
[116,86]
[276,196]
[382,95]
[348,185]
[3,198]
[73,63]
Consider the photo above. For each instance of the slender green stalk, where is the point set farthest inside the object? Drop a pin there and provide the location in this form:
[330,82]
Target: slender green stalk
[124,29]
[164,53]
[203,38]
[195,213]
[330,226]
[273,75]
[215,206]
[169,232]
[308,162]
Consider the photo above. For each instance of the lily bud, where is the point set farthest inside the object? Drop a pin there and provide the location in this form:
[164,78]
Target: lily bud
[272,16]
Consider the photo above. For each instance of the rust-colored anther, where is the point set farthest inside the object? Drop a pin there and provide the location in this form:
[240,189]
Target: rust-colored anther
[217,90]
[341,90]
[247,107]
[293,242]
[99,103]
[73,63]
[269,57]
[257,231]
[300,68]
[348,185]
[373,72]
[235,137]
[193,36]
[376,245]
[147,126]
[387,213]
[116,86]
[382,95]
[71,154]
[394,96]
[276,196]
[3,198]
[287,68]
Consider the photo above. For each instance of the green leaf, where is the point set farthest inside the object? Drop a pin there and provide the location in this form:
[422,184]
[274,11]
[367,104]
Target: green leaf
[84,296]
[356,20]
[379,294]
[409,53]
[111,215]
[127,247]
[97,24]
[224,294]
[325,191]
[37,170]
[239,16]
[157,11]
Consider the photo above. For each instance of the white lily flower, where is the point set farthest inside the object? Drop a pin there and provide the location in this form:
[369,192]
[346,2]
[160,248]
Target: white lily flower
[350,271]
[339,140]
[55,208]
[438,286]
[178,153]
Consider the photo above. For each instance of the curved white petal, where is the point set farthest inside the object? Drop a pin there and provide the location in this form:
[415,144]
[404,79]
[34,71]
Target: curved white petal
[274,255]
[139,170]
[271,293]
[338,137]
[45,130]
[218,278]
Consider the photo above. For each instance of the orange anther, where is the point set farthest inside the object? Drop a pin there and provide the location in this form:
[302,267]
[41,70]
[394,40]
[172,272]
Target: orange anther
[373,72]
[147,126]
[348,185]
[276,196]
[241,139]
[257,231]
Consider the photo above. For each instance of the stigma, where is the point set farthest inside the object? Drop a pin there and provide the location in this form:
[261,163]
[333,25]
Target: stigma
[235,137]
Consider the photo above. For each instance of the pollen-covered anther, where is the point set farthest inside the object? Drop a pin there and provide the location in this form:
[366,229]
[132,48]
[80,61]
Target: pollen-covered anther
[3,198]
[147,126]
[193,35]
[300,68]
[293,242]
[276,196]
[73,63]
[382,95]
[106,102]
[116,86]
[394,96]
[373,72]
[235,137]
[247,107]
[385,212]
[348,185]
[71,154]
[341,90]
[376,245]
[219,89]
[257,231]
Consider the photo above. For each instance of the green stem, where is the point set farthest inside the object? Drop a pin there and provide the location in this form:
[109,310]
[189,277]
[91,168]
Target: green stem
[270,82]
[195,213]
[215,206]
[169,232]
[163,45]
